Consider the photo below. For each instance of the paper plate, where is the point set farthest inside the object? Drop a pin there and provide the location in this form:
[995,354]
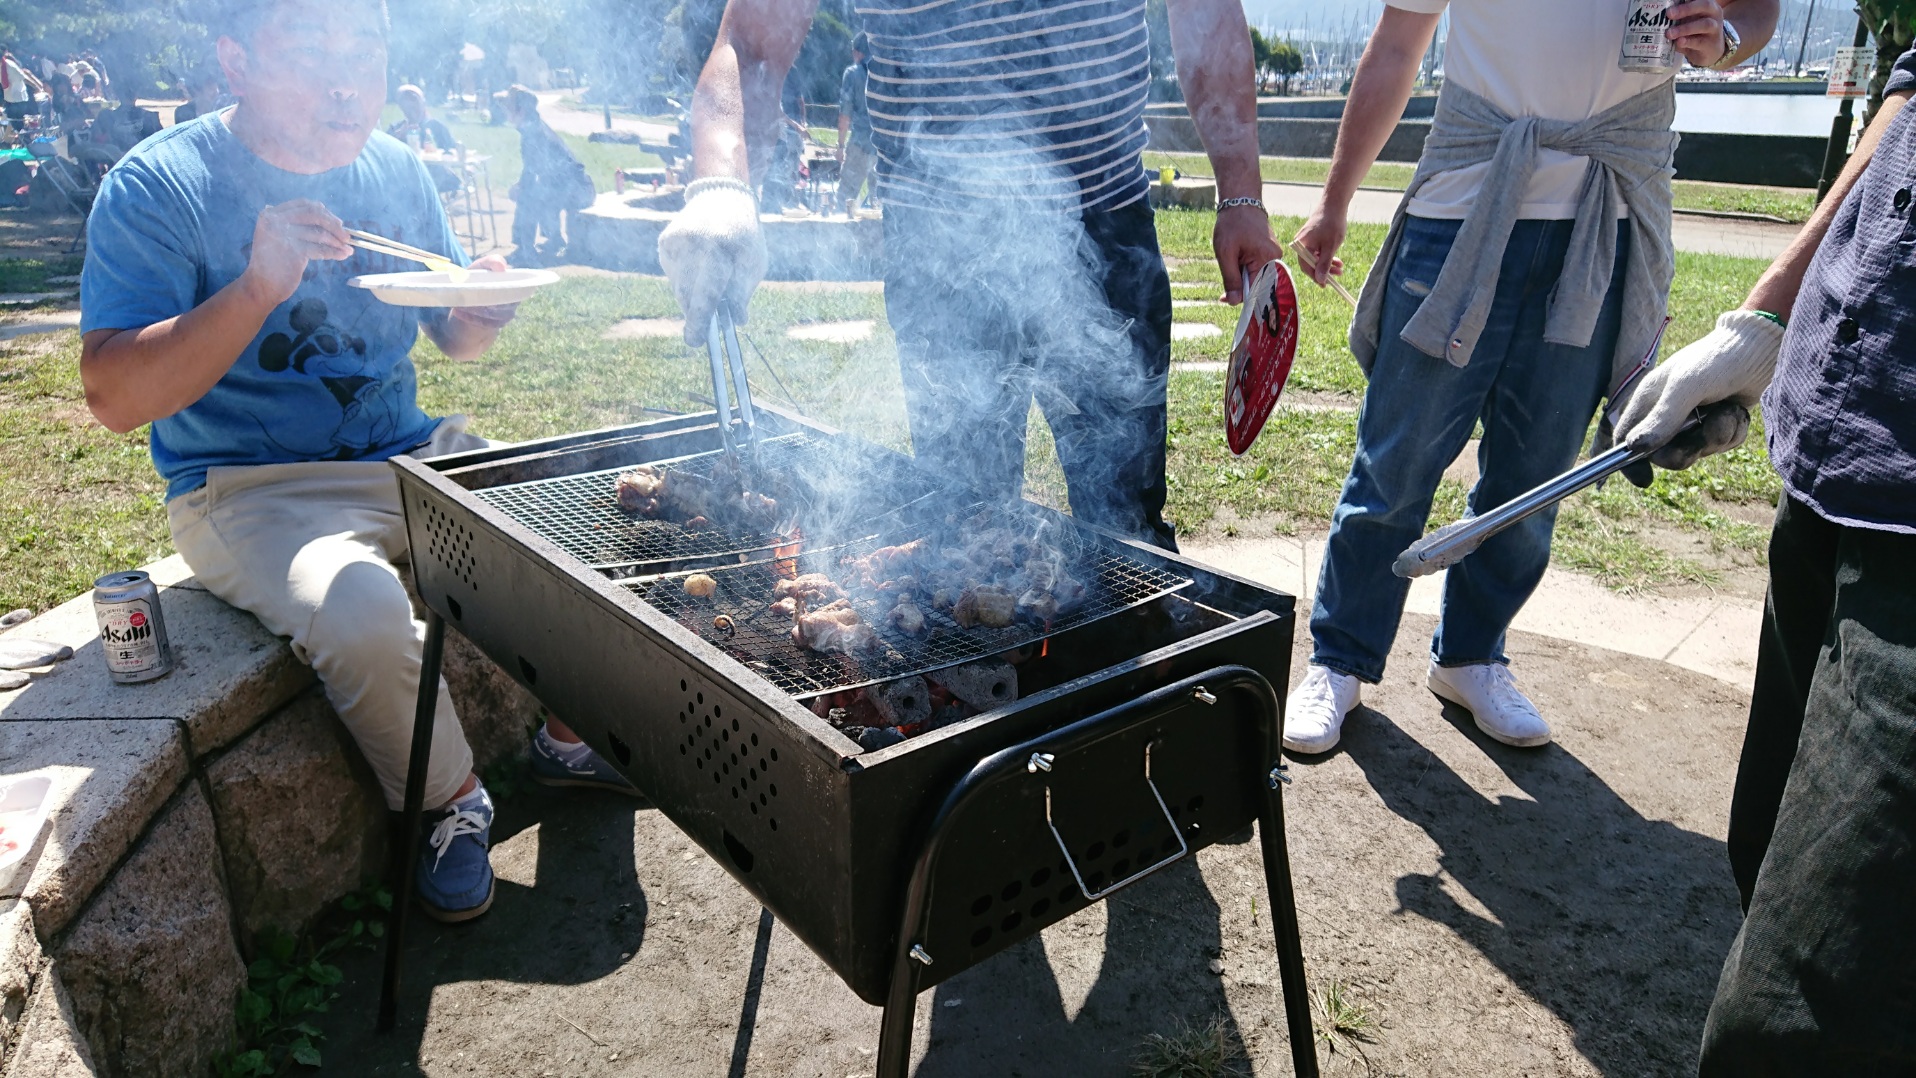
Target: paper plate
[23,810]
[1261,355]
[480,288]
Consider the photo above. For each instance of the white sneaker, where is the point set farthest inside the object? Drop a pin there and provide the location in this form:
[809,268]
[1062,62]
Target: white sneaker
[1314,715]
[1489,692]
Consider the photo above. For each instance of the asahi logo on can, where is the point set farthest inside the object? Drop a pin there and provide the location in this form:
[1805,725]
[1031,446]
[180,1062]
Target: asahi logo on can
[132,628]
[1646,43]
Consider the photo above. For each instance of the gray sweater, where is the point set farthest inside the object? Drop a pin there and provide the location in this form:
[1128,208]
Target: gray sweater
[1630,147]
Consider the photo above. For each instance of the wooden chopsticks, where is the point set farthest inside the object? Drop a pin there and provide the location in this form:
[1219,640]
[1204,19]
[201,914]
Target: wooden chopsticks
[367,241]
[1309,263]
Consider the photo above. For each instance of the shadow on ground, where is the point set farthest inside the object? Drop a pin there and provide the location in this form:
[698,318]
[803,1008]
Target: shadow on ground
[1500,912]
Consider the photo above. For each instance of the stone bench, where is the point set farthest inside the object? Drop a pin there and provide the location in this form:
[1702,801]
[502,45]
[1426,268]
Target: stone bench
[189,814]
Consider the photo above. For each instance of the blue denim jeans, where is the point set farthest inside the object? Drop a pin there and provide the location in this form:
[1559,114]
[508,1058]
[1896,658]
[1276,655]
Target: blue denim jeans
[1535,399]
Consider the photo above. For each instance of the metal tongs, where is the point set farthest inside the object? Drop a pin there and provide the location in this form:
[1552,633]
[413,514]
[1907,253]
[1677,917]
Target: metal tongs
[1454,542]
[721,340]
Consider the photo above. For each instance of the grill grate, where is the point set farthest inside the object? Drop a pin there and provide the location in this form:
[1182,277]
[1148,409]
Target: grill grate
[820,481]
[762,640]
[580,513]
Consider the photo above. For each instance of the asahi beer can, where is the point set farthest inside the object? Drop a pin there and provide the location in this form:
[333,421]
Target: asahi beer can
[1646,44]
[132,629]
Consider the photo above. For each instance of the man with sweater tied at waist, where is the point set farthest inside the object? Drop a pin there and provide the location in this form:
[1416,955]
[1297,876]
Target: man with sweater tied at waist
[1524,280]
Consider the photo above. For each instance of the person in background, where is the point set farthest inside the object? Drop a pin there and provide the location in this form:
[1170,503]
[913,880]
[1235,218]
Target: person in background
[547,168]
[1524,279]
[854,128]
[780,188]
[93,61]
[1822,840]
[18,88]
[78,70]
[205,93]
[216,307]
[90,96]
[419,129]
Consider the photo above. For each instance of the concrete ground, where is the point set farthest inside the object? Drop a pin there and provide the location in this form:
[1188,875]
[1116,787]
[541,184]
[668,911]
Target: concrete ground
[1561,911]
[1705,235]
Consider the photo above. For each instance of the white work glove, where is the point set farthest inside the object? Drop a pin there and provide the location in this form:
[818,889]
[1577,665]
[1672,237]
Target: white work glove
[713,252]
[1733,362]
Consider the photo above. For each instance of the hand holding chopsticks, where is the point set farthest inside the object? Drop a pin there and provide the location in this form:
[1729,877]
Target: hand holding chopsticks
[1306,260]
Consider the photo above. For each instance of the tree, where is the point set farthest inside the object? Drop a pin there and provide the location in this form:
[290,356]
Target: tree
[1286,62]
[1892,22]
[1275,58]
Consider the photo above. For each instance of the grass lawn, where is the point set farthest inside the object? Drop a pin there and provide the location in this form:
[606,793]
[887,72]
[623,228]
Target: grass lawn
[1788,203]
[82,501]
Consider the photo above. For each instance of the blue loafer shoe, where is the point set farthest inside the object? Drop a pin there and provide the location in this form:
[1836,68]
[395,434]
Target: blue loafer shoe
[584,768]
[455,875]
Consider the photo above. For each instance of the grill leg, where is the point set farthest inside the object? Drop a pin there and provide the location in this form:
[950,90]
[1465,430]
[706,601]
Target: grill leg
[901,1002]
[406,844]
[1290,949]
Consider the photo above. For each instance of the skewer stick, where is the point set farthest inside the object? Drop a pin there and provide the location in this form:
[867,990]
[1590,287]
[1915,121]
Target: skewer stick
[1309,263]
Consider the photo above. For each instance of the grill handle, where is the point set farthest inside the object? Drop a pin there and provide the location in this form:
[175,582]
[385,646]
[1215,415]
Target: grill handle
[1170,821]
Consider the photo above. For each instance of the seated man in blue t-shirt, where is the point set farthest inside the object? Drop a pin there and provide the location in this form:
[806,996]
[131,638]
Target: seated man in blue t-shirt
[215,307]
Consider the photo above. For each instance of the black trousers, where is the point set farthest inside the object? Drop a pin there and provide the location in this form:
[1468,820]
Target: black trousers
[993,309]
[1821,980]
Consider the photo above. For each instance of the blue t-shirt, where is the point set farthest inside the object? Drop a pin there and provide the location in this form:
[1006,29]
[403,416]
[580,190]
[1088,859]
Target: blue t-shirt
[328,377]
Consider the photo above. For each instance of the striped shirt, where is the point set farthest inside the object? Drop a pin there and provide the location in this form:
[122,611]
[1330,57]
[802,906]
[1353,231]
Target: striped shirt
[980,100]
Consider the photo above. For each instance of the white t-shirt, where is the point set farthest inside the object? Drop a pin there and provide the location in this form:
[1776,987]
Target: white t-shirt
[17,90]
[1551,58]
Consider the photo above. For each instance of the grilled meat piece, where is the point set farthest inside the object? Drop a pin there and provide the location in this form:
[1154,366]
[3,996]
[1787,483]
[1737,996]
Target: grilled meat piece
[835,627]
[908,618]
[696,501]
[785,608]
[987,605]
[700,586]
[889,568]
[814,588]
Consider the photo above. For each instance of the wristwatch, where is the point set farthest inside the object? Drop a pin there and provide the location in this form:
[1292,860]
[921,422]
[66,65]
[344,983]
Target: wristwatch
[1731,42]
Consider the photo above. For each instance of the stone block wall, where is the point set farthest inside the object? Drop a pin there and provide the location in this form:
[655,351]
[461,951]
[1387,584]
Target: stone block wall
[189,815]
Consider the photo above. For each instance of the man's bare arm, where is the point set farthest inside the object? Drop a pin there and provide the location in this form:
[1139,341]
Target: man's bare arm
[134,376]
[1212,45]
[1379,90]
[738,91]
[1776,290]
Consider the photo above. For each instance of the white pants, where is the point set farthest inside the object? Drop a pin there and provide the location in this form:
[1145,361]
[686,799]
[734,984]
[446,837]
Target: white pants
[309,549]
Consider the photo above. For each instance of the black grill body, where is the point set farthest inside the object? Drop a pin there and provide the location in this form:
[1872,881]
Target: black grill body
[822,832]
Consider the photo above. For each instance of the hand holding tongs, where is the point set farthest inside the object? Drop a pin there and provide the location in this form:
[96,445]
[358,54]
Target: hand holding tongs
[721,341]
[1453,543]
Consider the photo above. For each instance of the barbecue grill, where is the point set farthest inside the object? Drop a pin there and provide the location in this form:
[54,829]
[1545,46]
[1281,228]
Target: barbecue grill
[1145,728]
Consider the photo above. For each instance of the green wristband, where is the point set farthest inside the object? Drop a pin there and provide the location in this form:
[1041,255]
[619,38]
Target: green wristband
[1772,316]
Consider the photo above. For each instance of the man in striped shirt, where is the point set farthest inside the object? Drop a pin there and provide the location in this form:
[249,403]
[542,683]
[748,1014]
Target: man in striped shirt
[1023,259]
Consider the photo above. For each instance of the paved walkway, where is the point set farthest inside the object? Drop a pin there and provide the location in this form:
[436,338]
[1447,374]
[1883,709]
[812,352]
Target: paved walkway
[1713,636]
[574,121]
[1703,235]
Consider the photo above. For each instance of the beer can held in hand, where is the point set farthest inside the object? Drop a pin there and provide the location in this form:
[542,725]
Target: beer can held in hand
[132,629]
[1646,41]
